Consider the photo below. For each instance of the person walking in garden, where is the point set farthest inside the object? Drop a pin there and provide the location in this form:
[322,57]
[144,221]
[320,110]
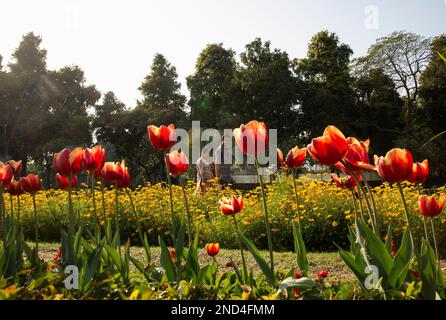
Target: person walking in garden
[205,172]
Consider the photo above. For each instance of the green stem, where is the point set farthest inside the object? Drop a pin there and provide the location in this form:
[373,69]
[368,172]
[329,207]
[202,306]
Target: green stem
[70,209]
[18,209]
[245,269]
[186,203]
[36,224]
[409,223]
[12,206]
[138,226]
[117,212]
[169,182]
[372,200]
[93,197]
[435,246]
[354,204]
[369,209]
[297,199]
[425,230]
[2,217]
[265,209]
[103,203]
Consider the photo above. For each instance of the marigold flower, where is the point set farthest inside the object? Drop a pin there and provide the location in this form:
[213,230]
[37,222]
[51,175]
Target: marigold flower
[178,163]
[62,181]
[420,172]
[296,157]
[69,162]
[252,138]
[330,148]
[31,183]
[212,249]
[231,206]
[430,206]
[396,166]
[162,138]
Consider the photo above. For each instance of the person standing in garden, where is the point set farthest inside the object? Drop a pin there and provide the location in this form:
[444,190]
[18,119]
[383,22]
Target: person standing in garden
[205,172]
[223,160]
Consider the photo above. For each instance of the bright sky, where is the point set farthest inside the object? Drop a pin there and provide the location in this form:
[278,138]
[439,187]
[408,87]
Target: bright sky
[114,41]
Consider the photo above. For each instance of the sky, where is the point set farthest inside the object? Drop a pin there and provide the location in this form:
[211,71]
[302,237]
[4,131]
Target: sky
[114,41]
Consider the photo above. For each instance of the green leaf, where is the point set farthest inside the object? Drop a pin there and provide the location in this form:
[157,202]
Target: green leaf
[442,56]
[301,252]
[357,268]
[428,271]
[193,265]
[389,239]
[166,261]
[401,262]
[260,261]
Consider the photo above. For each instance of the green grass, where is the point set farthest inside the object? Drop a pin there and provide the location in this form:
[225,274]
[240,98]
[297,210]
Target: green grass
[284,261]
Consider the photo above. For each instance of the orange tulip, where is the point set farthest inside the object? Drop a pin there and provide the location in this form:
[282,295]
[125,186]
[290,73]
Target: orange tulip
[420,172]
[16,167]
[430,207]
[62,181]
[330,148]
[30,183]
[212,249]
[357,157]
[280,161]
[346,183]
[296,157]
[252,138]
[232,206]
[6,175]
[15,188]
[396,166]
[162,138]
[178,163]
[94,159]
[69,162]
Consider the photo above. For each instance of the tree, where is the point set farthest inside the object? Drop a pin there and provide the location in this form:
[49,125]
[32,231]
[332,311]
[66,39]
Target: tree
[433,103]
[325,86]
[268,88]
[402,56]
[210,87]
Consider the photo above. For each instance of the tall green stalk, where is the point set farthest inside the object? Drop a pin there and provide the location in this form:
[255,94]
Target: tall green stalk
[2,217]
[372,200]
[245,269]
[169,182]
[70,209]
[18,209]
[138,225]
[296,197]
[265,210]
[103,204]
[409,223]
[435,246]
[186,203]
[93,196]
[36,224]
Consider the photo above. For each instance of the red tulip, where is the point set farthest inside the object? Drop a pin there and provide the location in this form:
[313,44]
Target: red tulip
[178,162]
[396,166]
[6,175]
[252,138]
[357,157]
[430,207]
[94,159]
[162,138]
[296,157]
[321,275]
[112,171]
[280,158]
[62,181]
[30,183]
[172,255]
[15,188]
[330,148]
[420,172]
[212,249]
[347,183]
[125,180]
[16,167]
[232,206]
[69,162]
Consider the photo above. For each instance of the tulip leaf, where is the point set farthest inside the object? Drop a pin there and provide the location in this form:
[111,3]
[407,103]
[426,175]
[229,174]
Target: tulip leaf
[301,252]
[193,266]
[401,262]
[357,268]
[259,259]
[389,239]
[166,261]
[428,271]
